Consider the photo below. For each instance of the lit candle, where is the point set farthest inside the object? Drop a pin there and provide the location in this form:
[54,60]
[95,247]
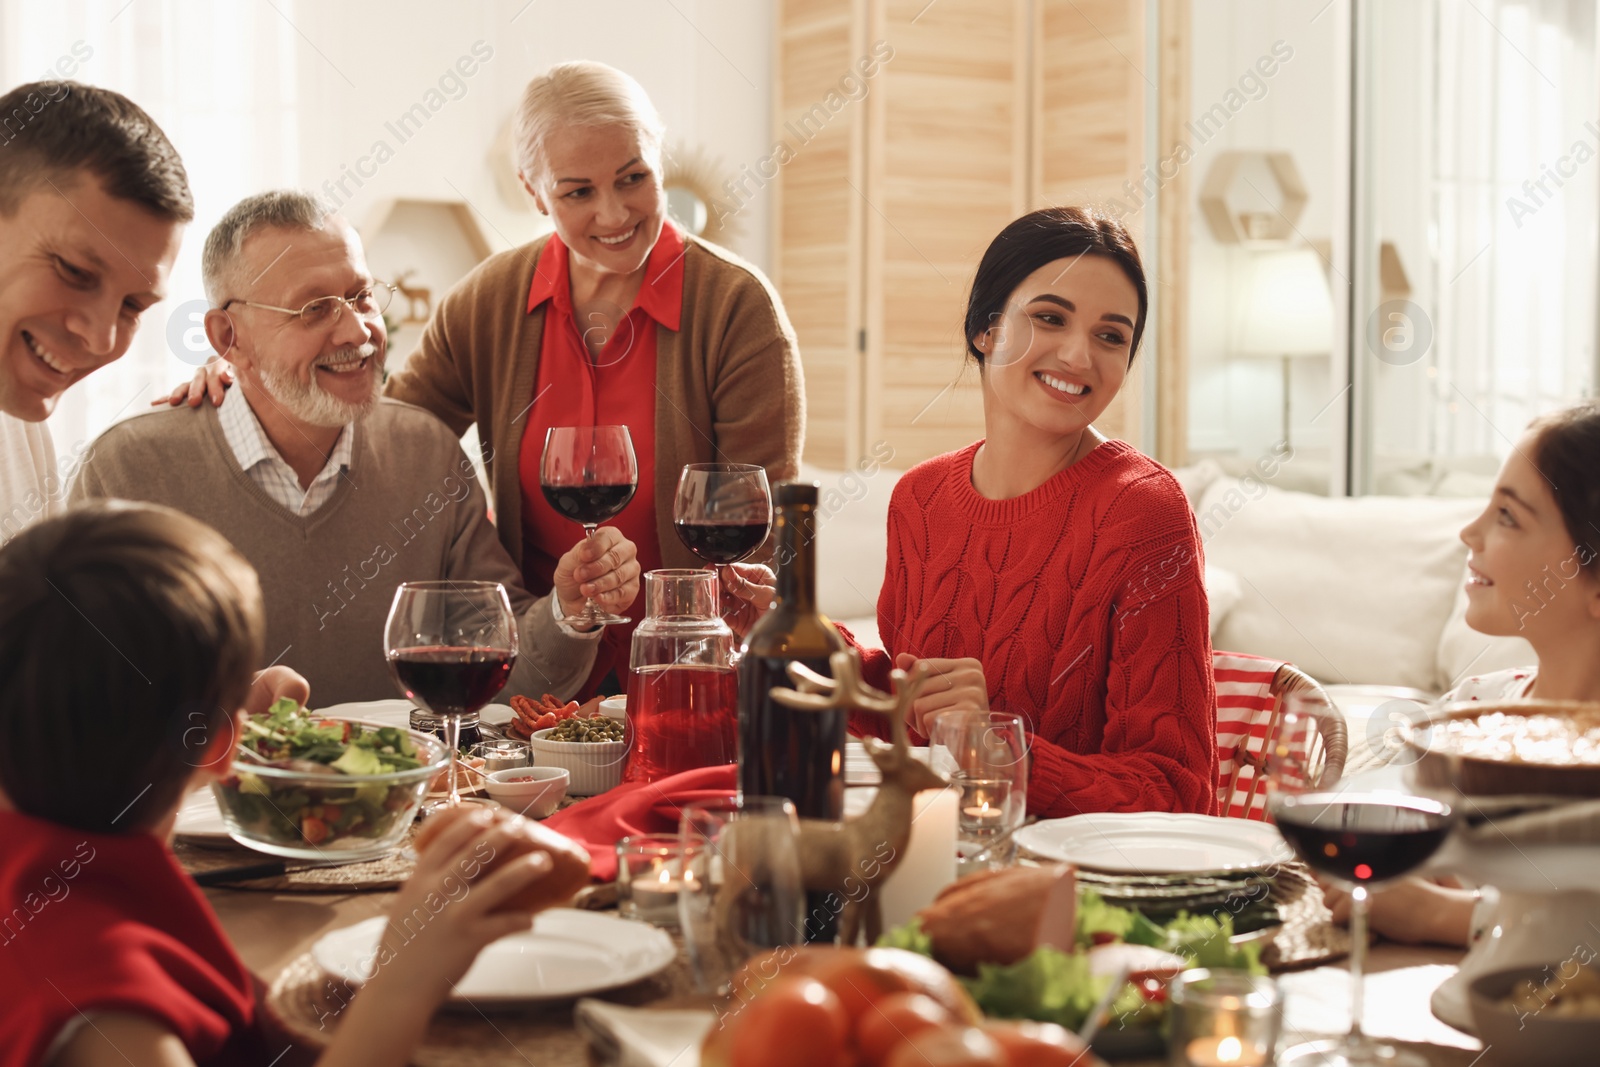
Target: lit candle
[655,899]
[1223,1052]
[981,817]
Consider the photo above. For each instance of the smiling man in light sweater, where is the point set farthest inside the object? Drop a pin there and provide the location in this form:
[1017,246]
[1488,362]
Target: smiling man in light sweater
[93,202]
[335,495]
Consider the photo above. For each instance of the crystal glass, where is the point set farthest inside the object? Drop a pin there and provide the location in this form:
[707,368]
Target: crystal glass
[649,878]
[723,511]
[1357,840]
[589,474]
[1223,1017]
[985,755]
[742,892]
[450,647]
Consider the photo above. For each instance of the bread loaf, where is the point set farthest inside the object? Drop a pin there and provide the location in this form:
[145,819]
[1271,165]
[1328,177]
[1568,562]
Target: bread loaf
[569,863]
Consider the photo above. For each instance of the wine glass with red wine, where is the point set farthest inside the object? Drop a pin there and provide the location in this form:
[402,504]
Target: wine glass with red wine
[588,474]
[1356,840]
[723,511]
[451,646]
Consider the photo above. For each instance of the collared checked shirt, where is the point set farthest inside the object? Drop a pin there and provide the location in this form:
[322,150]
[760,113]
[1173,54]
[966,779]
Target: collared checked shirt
[264,466]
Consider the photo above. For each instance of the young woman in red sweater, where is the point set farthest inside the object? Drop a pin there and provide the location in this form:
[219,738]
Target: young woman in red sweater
[125,631]
[1048,571]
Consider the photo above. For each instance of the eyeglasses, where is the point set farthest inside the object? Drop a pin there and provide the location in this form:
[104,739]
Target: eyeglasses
[324,311]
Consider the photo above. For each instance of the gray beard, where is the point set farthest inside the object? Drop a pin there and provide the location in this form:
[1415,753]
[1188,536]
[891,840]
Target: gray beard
[311,404]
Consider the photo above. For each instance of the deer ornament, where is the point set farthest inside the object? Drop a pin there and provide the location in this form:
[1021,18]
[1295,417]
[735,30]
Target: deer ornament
[852,858]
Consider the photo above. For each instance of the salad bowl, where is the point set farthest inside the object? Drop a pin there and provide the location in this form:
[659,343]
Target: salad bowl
[331,789]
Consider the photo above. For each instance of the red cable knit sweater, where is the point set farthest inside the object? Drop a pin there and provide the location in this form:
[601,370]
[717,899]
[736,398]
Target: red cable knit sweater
[1084,601]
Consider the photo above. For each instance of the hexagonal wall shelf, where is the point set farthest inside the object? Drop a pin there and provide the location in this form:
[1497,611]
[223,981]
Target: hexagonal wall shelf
[1233,225]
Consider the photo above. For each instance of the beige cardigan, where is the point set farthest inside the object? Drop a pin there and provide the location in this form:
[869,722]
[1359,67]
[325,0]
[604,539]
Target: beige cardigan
[728,381]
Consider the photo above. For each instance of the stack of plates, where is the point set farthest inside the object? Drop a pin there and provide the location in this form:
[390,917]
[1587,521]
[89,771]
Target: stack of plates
[1162,864]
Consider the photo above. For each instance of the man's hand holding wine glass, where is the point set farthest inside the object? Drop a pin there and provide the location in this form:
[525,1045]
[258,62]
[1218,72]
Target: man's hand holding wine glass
[604,567]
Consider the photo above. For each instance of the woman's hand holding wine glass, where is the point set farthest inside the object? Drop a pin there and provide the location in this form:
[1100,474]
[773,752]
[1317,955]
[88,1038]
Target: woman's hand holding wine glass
[723,514]
[589,474]
[604,568]
[750,589]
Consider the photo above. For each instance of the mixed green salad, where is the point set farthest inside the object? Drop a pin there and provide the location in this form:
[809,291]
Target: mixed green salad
[321,804]
[1058,987]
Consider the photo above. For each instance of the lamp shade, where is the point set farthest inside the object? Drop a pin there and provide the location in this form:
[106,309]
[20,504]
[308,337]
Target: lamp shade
[1286,309]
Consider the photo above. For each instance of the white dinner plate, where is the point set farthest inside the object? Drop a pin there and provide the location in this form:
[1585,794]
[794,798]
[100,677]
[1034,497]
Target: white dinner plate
[859,768]
[398,712]
[568,953]
[1156,843]
[200,820]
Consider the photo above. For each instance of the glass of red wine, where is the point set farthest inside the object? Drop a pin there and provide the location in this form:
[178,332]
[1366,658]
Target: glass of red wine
[1357,840]
[450,647]
[723,511]
[588,474]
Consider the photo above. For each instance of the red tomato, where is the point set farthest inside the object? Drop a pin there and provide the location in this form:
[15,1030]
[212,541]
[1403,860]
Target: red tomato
[313,829]
[1153,987]
[949,1046]
[332,813]
[795,1022]
[1029,1044]
[895,1018]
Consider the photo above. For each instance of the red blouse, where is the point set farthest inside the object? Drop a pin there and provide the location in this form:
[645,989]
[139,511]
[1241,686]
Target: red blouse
[616,388]
[110,923]
[1085,603]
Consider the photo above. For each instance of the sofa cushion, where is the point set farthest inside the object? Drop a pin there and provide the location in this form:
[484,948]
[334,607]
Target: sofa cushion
[1352,590]
[1223,591]
[852,537]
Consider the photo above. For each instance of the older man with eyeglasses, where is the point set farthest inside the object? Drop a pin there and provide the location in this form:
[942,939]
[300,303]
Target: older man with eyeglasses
[334,494]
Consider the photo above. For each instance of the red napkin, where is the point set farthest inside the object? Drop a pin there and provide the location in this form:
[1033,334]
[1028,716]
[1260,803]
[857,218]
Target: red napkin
[638,808]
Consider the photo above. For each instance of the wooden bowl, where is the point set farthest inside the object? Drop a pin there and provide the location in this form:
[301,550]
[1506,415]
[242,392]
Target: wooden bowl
[1449,758]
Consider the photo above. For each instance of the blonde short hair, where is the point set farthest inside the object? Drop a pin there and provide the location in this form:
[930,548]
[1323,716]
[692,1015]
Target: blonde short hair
[583,93]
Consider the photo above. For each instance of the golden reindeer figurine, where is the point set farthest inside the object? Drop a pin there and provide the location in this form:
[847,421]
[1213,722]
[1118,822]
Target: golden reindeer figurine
[852,858]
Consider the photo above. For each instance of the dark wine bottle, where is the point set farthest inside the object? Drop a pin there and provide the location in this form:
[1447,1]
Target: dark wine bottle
[783,751]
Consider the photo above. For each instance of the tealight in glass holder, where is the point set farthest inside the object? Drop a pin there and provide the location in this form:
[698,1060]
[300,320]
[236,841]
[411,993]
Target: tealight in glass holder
[649,876]
[1224,1017]
[502,754]
[983,823]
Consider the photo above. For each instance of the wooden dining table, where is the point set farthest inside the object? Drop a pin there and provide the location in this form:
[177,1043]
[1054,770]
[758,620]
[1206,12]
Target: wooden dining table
[273,929]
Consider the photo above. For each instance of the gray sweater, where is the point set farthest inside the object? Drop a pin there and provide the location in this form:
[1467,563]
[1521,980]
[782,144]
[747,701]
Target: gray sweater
[408,509]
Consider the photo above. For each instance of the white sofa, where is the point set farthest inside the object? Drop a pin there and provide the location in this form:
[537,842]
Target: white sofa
[1363,591]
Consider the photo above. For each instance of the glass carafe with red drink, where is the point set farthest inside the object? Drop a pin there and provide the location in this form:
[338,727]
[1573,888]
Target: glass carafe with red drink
[683,693]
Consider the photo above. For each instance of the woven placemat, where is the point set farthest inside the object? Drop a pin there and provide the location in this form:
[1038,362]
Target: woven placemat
[387,872]
[305,1003]
[1308,936]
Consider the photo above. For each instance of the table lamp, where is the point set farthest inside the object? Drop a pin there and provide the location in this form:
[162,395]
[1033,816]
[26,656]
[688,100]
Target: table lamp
[1286,311]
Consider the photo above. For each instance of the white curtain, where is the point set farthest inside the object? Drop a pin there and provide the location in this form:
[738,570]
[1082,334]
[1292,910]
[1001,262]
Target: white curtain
[221,80]
[1515,270]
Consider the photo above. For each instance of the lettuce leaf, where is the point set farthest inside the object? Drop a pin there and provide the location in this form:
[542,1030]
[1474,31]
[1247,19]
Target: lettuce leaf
[1095,916]
[1204,941]
[1049,986]
[910,937]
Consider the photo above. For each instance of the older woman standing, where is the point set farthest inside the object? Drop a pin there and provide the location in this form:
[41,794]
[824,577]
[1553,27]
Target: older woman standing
[616,318]
[619,317]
